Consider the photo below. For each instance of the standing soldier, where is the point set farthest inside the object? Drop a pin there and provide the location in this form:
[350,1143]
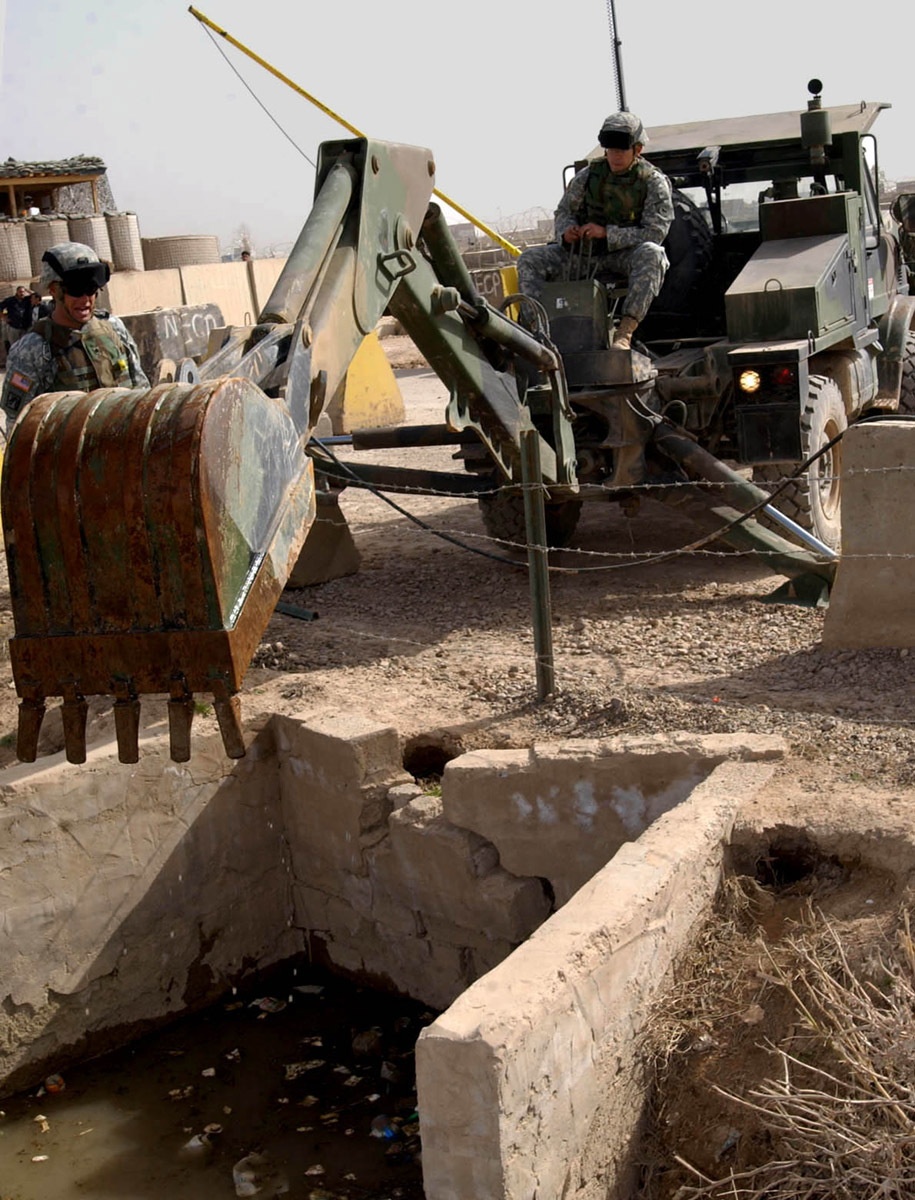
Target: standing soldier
[75,349]
[621,207]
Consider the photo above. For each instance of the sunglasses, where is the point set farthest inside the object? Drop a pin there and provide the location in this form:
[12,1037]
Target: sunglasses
[616,141]
[85,282]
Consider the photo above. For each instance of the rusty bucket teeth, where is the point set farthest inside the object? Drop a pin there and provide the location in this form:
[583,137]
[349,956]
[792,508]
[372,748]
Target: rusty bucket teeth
[74,712]
[127,721]
[180,716]
[31,713]
[228,714]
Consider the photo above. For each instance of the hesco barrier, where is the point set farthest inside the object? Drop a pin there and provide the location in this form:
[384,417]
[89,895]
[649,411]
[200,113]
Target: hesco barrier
[186,251]
[42,234]
[124,235]
[14,251]
[91,230]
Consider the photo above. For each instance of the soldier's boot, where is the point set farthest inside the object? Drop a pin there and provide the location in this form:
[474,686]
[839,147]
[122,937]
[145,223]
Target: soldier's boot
[622,338]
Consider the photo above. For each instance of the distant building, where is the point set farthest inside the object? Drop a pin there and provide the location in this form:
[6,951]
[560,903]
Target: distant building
[67,185]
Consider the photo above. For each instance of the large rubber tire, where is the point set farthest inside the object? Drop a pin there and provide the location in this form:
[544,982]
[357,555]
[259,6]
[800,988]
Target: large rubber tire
[813,500]
[502,513]
[907,390]
[688,245]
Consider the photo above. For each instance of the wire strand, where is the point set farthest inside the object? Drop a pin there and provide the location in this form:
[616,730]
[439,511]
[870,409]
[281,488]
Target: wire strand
[256,98]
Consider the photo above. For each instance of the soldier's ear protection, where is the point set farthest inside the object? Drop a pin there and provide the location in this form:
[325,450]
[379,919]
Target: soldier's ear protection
[616,139]
[79,281]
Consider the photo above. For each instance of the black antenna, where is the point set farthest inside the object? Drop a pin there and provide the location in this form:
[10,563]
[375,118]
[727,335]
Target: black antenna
[617,57]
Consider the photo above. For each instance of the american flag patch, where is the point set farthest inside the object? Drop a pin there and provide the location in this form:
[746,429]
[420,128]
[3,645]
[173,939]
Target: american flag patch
[20,381]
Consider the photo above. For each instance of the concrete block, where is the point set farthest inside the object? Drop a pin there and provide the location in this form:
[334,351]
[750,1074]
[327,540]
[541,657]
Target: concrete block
[868,605]
[451,873]
[335,772]
[513,1077]
[561,811]
[329,551]
[173,333]
[224,284]
[129,292]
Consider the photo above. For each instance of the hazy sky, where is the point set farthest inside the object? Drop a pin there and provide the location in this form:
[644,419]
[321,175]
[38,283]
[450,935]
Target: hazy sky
[504,92]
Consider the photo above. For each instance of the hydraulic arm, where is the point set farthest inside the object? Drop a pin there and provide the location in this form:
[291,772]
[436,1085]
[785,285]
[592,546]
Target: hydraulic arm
[149,534]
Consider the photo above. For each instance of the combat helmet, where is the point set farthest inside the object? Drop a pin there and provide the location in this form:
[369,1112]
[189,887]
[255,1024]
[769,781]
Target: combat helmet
[74,265]
[622,131]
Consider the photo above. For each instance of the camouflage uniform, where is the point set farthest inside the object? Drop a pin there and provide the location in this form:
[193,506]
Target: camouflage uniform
[637,209]
[52,358]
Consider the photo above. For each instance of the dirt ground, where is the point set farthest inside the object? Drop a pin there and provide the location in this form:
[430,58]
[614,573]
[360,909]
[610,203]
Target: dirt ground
[434,636]
[435,633]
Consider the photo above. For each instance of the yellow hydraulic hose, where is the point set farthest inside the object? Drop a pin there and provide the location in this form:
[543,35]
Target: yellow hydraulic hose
[204,20]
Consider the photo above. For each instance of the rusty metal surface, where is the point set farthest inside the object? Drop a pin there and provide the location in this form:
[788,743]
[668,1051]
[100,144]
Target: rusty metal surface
[143,548]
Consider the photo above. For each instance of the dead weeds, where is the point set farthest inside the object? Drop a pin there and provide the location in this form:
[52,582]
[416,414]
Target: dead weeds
[783,1053]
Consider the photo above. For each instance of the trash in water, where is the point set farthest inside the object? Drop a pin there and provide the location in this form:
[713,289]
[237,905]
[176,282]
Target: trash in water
[212,1129]
[317,1169]
[233,1055]
[199,1148]
[39,1158]
[42,1121]
[308,1101]
[54,1084]
[389,1073]
[352,1081]
[295,1069]
[257,1175]
[309,989]
[268,1004]
[181,1093]
[208,1072]
[384,1127]
[367,1043]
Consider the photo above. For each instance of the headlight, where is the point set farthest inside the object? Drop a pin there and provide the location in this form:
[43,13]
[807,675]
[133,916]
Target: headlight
[749,381]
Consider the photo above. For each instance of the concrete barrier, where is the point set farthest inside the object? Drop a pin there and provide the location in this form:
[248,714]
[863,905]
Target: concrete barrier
[130,292]
[173,333]
[560,811]
[530,1084]
[869,604]
[263,274]
[224,284]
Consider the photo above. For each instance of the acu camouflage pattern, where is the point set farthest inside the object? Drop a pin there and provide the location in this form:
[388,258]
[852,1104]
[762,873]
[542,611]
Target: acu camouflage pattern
[640,200]
[637,203]
[52,358]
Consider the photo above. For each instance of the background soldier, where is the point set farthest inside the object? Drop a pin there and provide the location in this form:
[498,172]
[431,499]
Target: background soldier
[75,349]
[621,206]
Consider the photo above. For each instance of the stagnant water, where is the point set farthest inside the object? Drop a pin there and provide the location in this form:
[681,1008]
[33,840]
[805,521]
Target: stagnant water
[300,1086]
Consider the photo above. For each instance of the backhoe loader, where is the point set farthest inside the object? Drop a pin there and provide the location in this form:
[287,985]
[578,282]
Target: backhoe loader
[149,534]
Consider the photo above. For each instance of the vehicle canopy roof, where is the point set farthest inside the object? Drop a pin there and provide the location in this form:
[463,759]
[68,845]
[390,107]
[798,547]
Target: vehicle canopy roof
[762,147]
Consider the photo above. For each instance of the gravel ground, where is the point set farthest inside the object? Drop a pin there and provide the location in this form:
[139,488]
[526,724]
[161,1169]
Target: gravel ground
[435,635]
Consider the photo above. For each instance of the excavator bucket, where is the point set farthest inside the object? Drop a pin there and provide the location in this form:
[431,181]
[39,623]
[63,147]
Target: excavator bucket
[145,553]
[149,534]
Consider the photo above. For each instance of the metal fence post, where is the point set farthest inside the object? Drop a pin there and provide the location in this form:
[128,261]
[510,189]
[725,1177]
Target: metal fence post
[537,562]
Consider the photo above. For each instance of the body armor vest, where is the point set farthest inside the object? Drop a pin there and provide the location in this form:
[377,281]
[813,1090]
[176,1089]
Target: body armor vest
[616,199]
[96,358]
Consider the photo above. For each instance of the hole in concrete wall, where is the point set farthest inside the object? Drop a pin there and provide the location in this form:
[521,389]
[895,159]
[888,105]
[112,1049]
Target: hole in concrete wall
[426,755]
